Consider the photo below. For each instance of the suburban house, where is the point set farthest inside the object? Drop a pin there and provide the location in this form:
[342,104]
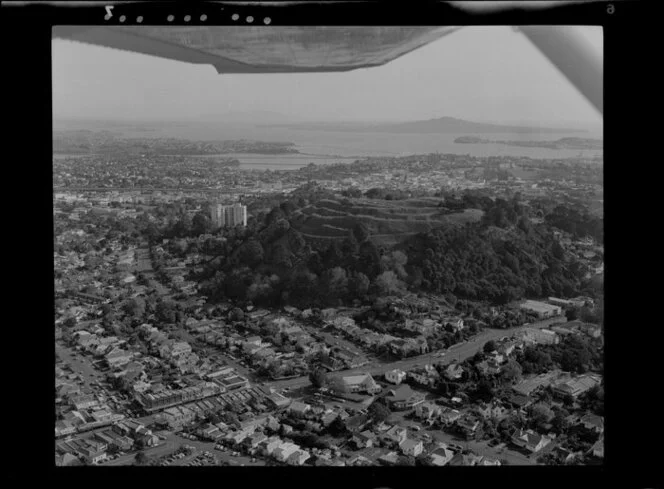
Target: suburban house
[576,386]
[332,363]
[593,422]
[257,314]
[453,323]
[359,461]
[323,462]
[405,347]
[449,416]
[94,451]
[468,426]
[532,384]
[597,450]
[253,340]
[269,445]
[298,457]
[83,401]
[252,442]
[391,458]
[454,371]
[92,455]
[63,428]
[411,447]
[508,347]
[403,397]
[489,367]
[235,438]
[327,418]
[208,431]
[592,330]
[441,456]
[539,336]
[496,358]
[298,407]
[361,383]
[149,439]
[118,357]
[278,400]
[285,450]
[176,417]
[464,460]
[489,462]
[394,435]
[233,383]
[357,422]
[425,326]
[365,439]
[564,454]
[395,376]
[427,411]
[428,376]
[491,410]
[179,348]
[350,359]
[519,401]
[65,460]
[530,440]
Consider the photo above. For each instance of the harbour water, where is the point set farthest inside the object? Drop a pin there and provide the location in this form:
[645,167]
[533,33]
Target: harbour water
[325,147]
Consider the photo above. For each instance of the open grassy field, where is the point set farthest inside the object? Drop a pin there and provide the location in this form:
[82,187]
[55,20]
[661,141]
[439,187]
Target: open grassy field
[388,221]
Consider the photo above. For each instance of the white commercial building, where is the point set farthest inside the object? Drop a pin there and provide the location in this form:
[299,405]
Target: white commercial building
[228,215]
[542,309]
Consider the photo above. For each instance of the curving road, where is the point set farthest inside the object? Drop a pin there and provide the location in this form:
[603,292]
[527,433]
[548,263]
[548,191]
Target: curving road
[456,353]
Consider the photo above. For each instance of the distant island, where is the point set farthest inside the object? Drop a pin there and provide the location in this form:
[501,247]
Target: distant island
[105,142]
[442,125]
[562,143]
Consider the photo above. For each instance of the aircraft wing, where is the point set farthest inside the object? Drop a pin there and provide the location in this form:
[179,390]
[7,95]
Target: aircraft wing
[242,49]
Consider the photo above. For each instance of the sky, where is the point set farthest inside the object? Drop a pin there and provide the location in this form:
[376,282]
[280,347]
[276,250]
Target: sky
[479,73]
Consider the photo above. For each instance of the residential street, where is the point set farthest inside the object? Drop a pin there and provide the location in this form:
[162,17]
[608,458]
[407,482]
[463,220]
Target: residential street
[483,448]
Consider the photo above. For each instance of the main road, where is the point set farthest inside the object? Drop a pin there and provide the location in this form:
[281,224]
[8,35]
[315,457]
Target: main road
[456,353]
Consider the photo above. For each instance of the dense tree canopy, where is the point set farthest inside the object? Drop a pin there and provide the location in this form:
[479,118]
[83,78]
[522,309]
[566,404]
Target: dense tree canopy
[500,259]
[318,377]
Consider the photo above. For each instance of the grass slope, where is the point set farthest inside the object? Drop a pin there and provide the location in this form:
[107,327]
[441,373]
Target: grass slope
[387,221]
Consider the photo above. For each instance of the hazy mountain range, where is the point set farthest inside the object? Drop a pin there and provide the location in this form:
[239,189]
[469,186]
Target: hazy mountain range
[441,125]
